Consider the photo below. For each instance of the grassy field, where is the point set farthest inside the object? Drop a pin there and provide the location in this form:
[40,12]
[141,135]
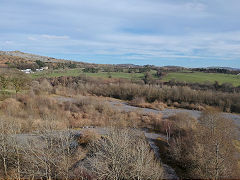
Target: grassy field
[200,77]
[77,72]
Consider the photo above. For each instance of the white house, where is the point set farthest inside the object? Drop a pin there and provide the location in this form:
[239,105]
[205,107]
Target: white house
[39,69]
[42,69]
[27,71]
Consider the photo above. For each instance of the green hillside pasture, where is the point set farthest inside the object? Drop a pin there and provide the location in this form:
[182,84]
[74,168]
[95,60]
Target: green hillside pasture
[77,72]
[200,77]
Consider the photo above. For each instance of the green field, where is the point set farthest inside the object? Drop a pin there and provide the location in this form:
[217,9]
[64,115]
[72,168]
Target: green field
[198,77]
[201,77]
[77,72]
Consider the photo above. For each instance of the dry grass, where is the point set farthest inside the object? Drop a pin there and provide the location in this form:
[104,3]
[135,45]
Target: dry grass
[140,102]
[88,136]
[33,111]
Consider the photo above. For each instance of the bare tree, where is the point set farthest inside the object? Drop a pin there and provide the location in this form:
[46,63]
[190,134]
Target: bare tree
[207,152]
[10,153]
[168,129]
[216,136]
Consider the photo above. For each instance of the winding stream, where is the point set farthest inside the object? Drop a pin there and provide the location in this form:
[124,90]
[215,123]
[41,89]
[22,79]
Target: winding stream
[123,106]
[169,172]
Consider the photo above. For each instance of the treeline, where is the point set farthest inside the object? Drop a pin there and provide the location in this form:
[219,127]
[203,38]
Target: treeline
[224,87]
[133,69]
[183,97]
[216,70]
[116,68]
[155,79]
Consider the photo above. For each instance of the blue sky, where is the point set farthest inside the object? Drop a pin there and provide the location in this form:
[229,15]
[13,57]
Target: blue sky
[191,33]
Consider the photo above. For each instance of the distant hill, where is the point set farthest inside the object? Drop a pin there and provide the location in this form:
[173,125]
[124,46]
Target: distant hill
[127,65]
[31,57]
[227,68]
[18,57]
[26,60]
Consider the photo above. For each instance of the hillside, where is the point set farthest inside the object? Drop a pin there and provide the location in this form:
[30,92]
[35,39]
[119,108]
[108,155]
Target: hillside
[31,57]
[21,59]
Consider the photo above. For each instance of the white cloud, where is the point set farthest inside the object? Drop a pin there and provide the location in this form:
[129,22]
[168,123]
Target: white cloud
[205,45]
[31,38]
[8,42]
[143,28]
[54,37]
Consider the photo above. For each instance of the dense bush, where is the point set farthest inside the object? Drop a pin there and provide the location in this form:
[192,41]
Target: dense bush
[225,87]
[183,97]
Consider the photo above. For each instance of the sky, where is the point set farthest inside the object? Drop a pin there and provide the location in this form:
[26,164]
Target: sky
[190,33]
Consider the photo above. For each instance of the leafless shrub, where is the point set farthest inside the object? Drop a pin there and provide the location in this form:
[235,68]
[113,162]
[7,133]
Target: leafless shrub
[46,86]
[88,137]
[140,102]
[48,154]
[184,121]
[207,151]
[11,107]
[10,155]
[123,154]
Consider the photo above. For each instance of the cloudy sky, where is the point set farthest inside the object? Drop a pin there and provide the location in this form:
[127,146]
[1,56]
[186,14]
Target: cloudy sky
[161,32]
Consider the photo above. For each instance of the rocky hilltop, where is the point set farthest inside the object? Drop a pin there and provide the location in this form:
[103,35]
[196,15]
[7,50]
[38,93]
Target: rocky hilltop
[31,57]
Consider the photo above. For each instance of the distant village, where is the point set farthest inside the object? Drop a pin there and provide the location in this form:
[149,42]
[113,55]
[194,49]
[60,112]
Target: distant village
[30,71]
